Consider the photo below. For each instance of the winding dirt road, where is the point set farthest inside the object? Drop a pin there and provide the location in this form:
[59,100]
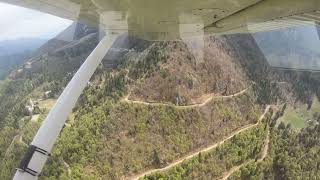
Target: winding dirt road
[12,143]
[264,154]
[179,161]
[68,169]
[266,147]
[212,96]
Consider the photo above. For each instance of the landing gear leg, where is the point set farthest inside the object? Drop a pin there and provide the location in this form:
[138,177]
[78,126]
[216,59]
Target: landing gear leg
[41,146]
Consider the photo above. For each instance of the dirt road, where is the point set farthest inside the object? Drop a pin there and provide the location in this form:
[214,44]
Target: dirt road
[126,99]
[179,161]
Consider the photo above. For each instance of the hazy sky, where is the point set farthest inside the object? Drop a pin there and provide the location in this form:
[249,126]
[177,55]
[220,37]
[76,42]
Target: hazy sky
[18,22]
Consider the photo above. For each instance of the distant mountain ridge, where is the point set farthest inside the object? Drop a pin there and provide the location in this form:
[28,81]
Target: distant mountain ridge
[15,52]
[291,48]
[17,46]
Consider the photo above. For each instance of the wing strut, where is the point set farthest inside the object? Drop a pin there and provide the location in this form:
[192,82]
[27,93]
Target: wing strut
[41,146]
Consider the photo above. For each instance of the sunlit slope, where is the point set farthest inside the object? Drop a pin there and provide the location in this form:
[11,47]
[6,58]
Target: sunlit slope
[180,77]
[111,137]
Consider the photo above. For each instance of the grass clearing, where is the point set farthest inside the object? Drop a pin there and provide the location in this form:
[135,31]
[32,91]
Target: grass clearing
[298,117]
[35,118]
[47,104]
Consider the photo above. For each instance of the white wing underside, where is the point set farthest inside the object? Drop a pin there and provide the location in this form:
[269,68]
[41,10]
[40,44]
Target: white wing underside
[170,20]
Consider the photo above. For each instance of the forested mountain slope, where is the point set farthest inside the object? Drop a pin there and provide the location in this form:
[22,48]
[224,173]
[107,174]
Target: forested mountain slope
[293,155]
[182,79]
[9,62]
[15,52]
[107,137]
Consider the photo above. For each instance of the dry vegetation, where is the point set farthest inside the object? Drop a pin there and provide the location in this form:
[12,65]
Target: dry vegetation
[133,138]
[182,79]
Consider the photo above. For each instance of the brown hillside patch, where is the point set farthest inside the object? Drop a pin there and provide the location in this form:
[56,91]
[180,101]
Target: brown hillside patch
[182,79]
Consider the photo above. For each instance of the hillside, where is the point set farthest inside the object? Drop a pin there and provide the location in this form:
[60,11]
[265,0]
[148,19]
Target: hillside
[13,53]
[10,62]
[181,79]
[214,163]
[293,155]
[17,46]
[148,105]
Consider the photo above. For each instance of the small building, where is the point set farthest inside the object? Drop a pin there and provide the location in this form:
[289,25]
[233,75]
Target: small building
[47,94]
[30,107]
[28,65]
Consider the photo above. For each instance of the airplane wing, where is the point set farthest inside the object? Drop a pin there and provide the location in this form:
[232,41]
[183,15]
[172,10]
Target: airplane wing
[169,20]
